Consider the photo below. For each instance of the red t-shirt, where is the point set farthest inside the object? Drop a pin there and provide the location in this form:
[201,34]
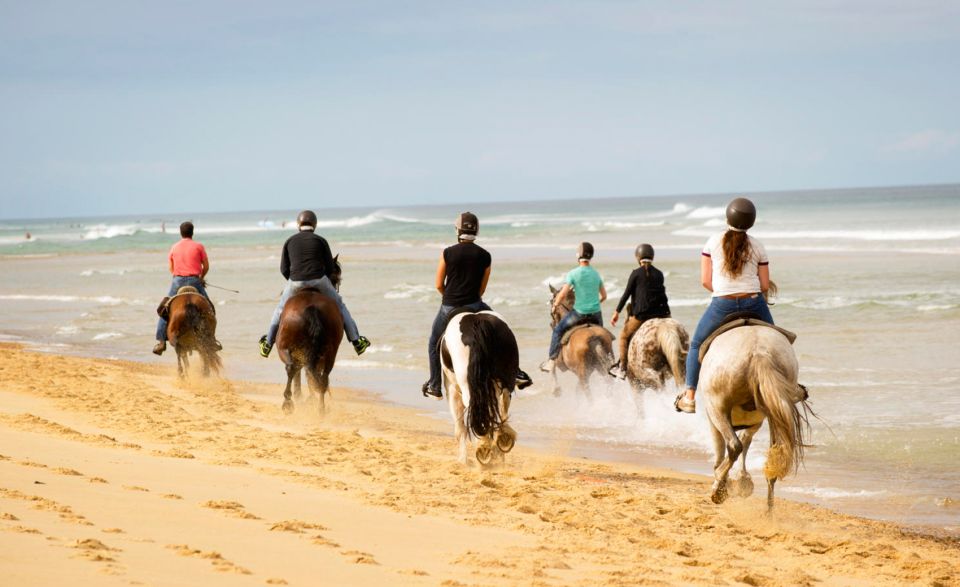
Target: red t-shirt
[187,256]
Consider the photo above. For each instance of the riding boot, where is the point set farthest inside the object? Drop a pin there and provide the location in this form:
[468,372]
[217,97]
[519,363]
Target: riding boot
[523,380]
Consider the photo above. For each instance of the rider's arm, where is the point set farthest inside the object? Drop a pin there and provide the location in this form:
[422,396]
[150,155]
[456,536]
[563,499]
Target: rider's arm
[285,262]
[204,266]
[483,282]
[562,295]
[603,293]
[764,272]
[706,272]
[441,274]
[329,267]
[171,264]
[627,292]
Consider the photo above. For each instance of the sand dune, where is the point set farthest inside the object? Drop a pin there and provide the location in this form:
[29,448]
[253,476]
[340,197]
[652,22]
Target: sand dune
[115,473]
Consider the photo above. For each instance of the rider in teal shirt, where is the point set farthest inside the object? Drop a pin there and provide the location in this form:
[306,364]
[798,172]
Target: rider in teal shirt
[587,286]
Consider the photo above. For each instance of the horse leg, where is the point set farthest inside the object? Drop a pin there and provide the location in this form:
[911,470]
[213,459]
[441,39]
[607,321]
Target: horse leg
[457,410]
[297,387]
[770,484]
[293,372]
[323,384]
[743,485]
[733,446]
[506,436]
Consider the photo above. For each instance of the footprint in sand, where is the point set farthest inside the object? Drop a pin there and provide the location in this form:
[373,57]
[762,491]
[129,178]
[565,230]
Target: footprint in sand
[93,550]
[216,559]
[232,508]
[359,557]
[296,526]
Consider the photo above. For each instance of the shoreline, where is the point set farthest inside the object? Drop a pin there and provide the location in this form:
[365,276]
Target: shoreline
[97,452]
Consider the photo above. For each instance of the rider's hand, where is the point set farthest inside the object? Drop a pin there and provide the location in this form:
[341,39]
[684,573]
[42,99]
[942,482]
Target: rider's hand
[613,320]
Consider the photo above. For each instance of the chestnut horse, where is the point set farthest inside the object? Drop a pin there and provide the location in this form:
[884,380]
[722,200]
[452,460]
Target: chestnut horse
[588,350]
[311,328]
[192,326]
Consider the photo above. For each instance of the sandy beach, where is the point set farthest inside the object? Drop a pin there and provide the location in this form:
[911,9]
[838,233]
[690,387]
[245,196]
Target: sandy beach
[116,473]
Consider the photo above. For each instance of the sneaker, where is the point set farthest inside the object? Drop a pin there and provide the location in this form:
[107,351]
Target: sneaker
[361,344]
[548,366]
[430,392]
[523,380]
[618,372]
[159,347]
[682,404]
[265,347]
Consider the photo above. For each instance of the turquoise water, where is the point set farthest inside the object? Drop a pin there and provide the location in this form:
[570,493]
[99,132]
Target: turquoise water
[869,280]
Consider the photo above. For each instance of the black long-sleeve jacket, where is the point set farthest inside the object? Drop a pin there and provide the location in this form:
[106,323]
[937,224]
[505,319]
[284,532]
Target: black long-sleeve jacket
[648,292]
[306,256]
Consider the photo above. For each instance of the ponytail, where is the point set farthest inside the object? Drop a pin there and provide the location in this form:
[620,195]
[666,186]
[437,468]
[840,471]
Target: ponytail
[736,252]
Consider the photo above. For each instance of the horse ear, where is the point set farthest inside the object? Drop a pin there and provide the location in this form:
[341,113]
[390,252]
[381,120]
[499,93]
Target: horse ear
[553,290]
[336,257]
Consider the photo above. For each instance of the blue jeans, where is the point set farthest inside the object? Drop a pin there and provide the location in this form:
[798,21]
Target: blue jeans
[327,289]
[567,322]
[439,324]
[719,309]
[178,282]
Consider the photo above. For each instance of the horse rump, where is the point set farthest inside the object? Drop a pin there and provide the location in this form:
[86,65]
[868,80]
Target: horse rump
[494,360]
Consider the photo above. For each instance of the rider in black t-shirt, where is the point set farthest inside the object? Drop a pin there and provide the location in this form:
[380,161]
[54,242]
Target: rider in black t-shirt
[462,275]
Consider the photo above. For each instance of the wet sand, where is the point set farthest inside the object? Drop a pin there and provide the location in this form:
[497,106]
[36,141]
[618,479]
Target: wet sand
[116,473]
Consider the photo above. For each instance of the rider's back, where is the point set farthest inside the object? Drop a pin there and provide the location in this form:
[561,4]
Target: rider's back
[466,263]
[648,292]
[306,256]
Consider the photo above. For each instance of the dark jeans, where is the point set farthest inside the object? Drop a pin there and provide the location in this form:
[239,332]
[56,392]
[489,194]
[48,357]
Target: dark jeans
[567,322]
[439,324]
[179,282]
[719,309]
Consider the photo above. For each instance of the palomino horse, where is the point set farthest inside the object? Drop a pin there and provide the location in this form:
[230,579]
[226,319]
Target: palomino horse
[480,361]
[657,351]
[311,328]
[192,326]
[588,350]
[750,374]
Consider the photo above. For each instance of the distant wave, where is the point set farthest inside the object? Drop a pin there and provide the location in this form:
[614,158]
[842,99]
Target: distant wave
[108,335]
[707,212]
[101,231]
[599,225]
[858,235]
[105,300]
[833,492]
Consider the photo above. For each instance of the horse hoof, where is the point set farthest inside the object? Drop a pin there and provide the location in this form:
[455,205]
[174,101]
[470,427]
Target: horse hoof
[288,407]
[506,440]
[484,455]
[719,494]
[742,487]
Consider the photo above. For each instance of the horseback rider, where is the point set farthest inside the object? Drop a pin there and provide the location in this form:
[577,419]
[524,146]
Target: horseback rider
[734,266]
[188,265]
[649,295]
[307,262]
[587,286]
[462,276]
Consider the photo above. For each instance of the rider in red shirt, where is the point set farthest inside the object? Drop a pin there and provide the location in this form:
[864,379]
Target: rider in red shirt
[188,265]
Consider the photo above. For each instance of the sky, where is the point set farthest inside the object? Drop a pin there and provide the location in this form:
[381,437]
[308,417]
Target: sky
[130,107]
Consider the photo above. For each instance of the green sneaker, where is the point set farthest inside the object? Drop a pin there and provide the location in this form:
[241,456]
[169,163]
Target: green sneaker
[361,344]
[265,347]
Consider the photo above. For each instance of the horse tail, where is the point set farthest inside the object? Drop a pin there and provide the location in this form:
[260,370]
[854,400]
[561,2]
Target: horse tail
[195,319]
[491,363]
[671,345]
[601,354]
[775,396]
[313,325]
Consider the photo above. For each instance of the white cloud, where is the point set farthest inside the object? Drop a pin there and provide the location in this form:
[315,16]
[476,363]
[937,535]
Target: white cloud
[926,140]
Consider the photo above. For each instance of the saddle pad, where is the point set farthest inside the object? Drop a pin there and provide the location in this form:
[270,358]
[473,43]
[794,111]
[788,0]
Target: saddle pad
[738,323]
[566,335]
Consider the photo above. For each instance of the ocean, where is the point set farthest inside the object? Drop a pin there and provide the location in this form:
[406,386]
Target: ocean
[869,280]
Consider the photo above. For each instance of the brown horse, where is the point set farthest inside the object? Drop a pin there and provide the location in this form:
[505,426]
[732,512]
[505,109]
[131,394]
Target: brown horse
[311,328]
[192,326]
[587,350]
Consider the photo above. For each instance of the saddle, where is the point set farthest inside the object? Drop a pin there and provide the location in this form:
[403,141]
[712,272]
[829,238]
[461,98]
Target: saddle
[736,320]
[163,310]
[569,332]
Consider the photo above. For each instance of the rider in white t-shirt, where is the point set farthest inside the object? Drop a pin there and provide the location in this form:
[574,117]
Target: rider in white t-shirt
[734,266]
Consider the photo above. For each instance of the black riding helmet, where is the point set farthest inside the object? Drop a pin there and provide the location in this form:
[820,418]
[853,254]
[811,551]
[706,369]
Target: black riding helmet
[467,223]
[307,218]
[585,251]
[644,252]
[741,213]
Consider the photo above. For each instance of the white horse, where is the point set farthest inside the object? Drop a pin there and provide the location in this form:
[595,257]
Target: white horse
[480,361]
[748,375]
[657,350]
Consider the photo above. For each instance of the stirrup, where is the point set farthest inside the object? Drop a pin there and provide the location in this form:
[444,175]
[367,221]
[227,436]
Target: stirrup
[361,344]
[430,392]
[265,347]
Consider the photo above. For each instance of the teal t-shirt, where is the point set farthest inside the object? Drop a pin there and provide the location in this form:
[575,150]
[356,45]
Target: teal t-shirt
[586,283]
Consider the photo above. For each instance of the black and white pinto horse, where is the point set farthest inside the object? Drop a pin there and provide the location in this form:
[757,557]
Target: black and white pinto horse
[480,361]
[749,375]
[658,351]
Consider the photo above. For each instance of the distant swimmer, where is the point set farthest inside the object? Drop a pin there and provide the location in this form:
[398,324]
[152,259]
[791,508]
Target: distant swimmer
[589,293]
[28,236]
[163,227]
[649,300]
[462,275]
[306,261]
[188,265]
[734,266]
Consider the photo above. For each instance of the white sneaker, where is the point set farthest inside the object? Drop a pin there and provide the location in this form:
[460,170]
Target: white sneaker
[548,366]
